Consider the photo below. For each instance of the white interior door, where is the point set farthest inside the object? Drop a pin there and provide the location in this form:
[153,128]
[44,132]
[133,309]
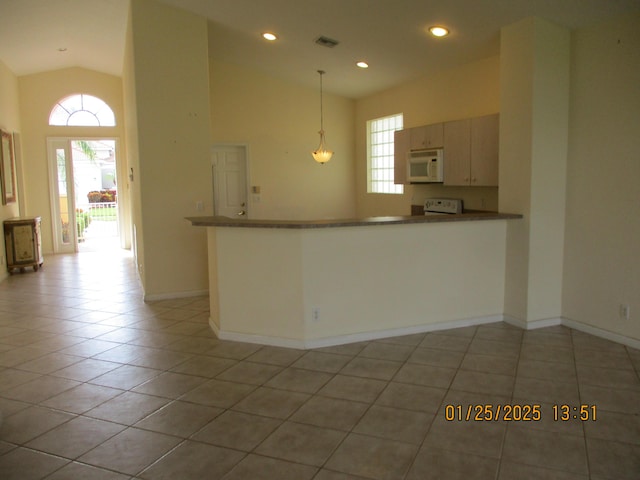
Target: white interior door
[229,168]
[63,207]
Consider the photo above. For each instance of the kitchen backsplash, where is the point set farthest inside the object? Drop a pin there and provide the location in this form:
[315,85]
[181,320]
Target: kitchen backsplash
[474,198]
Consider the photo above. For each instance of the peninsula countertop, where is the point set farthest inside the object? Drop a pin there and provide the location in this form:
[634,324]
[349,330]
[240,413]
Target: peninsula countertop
[220,221]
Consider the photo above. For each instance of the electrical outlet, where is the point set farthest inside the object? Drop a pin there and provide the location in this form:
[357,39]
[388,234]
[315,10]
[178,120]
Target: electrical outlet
[624,311]
[315,314]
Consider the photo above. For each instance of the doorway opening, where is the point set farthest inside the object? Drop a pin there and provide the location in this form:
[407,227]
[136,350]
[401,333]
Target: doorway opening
[84,194]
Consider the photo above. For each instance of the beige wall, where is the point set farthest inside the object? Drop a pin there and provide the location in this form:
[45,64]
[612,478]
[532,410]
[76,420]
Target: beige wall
[38,94]
[9,106]
[131,142]
[279,123]
[535,58]
[463,92]
[602,260]
[9,122]
[167,91]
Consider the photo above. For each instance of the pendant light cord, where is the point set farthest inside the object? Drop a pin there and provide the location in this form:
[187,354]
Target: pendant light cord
[321,72]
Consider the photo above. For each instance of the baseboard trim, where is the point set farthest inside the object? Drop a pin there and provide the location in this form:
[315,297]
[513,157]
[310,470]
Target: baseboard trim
[533,325]
[174,295]
[304,344]
[516,322]
[599,332]
[214,327]
[582,327]
[397,332]
[249,338]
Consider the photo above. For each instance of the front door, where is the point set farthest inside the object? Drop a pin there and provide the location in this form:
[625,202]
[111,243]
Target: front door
[229,168]
[82,185]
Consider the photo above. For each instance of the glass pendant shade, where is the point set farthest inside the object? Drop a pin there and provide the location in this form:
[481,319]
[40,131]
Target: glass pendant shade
[321,154]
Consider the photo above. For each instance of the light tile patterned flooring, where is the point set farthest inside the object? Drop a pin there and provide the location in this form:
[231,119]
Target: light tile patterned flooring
[95,384]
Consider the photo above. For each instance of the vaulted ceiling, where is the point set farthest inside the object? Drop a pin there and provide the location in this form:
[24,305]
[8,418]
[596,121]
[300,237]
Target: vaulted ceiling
[42,35]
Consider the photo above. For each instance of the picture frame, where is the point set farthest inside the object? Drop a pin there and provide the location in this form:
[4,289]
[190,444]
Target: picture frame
[7,168]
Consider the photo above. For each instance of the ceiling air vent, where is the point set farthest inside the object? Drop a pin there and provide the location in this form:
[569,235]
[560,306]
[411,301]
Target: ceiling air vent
[326,42]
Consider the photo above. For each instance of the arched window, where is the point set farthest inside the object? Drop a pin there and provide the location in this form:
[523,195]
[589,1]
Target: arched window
[82,111]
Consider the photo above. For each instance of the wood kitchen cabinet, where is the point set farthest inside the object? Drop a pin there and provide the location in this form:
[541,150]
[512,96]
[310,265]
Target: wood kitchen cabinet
[457,152]
[23,243]
[401,146]
[471,151]
[416,138]
[484,150]
[426,136]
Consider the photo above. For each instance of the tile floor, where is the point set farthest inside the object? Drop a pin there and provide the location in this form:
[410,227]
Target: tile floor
[95,384]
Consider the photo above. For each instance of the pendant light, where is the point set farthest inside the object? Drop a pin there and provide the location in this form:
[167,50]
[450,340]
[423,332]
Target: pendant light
[321,154]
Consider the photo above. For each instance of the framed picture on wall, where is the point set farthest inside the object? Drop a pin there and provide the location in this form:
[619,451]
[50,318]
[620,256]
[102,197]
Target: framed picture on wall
[7,169]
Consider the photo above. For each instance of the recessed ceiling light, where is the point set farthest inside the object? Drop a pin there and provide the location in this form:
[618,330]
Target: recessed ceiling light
[62,49]
[362,64]
[269,36]
[438,31]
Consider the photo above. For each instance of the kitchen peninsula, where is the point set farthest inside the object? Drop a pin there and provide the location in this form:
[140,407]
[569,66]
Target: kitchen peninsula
[309,284]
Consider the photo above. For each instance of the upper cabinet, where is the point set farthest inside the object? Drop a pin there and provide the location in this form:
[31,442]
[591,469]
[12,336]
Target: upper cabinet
[484,150]
[416,138]
[457,152]
[471,152]
[427,136]
[401,146]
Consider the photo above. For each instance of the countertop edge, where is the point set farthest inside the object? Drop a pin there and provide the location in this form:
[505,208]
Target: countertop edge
[213,221]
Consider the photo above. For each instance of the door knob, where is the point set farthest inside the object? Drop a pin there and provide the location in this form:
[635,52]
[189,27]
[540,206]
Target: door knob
[241,213]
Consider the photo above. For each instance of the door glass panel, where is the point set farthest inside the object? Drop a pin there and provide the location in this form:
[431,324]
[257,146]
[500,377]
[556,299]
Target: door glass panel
[65,229]
[95,193]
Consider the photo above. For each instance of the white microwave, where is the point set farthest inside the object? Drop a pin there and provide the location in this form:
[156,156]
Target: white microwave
[425,166]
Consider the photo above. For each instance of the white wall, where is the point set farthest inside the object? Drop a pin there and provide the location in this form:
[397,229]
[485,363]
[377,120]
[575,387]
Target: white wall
[602,256]
[167,89]
[534,66]
[367,279]
[370,280]
[258,282]
[133,151]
